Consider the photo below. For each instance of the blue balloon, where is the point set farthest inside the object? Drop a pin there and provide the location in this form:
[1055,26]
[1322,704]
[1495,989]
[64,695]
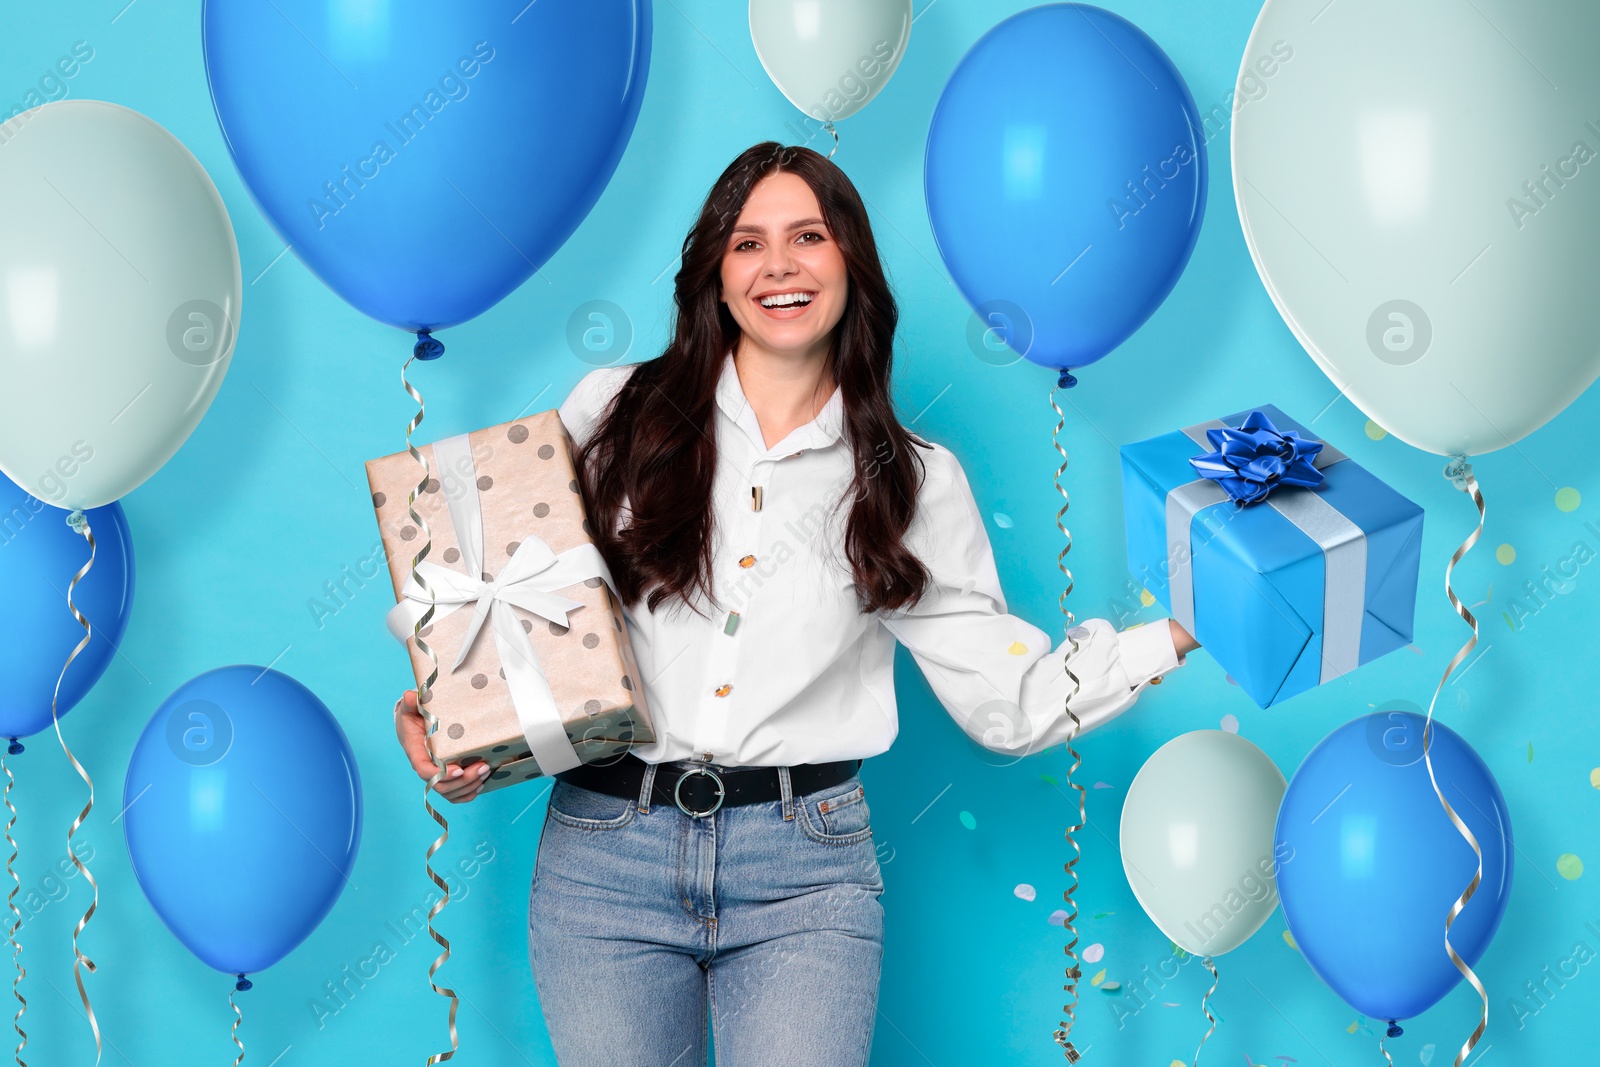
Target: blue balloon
[1066,180]
[242,811]
[423,159]
[1371,864]
[39,554]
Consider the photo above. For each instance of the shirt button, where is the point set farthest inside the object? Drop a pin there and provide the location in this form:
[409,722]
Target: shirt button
[723,689]
[748,561]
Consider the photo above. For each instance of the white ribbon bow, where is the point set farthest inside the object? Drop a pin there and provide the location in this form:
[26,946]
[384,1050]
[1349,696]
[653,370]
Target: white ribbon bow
[528,582]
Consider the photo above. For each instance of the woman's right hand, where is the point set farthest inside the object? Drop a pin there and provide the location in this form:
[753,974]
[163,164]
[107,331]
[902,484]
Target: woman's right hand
[459,784]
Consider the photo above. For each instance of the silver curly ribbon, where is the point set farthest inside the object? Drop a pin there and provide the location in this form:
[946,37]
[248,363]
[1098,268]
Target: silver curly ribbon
[829,127]
[1063,1030]
[1205,1009]
[423,692]
[79,522]
[11,898]
[1459,471]
[238,1017]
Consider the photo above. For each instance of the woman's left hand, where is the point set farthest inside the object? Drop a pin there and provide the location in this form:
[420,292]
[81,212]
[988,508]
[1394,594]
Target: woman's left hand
[1182,640]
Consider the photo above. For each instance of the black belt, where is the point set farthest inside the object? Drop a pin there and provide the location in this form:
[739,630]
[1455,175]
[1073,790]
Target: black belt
[699,790]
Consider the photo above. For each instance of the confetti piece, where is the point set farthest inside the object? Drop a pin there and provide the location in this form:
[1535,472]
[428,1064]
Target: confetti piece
[968,821]
[1146,597]
[1111,987]
[1229,677]
[1002,520]
[1425,1054]
[1177,1063]
[1172,1004]
[1024,891]
[1102,785]
[1047,780]
[1594,777]
[1568,499]
[1104,914]
[1058,918]
[1288,939]
[1099,976]
[1506,555]
[1569,866]
[1414,648]
[1230,723]
[1017,648]
[1093,953]
[1178,951]
[1530,744]
[1376,432]
[1352,1028]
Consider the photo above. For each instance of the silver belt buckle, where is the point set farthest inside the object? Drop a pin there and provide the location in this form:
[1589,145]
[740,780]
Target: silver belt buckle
[677,791]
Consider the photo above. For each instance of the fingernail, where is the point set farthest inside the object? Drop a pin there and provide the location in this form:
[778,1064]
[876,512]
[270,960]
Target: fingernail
[483,769]
[455,772]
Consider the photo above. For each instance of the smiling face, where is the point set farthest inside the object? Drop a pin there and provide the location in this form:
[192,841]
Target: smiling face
[783,278]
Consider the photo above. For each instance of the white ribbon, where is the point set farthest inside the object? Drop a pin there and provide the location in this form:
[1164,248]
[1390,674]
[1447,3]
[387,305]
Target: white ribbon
[528,581]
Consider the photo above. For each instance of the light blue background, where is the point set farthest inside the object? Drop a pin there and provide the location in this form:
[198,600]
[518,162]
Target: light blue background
[267,502]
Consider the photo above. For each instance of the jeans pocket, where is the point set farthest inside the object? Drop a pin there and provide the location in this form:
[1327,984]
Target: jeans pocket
[837,815]
[586,809]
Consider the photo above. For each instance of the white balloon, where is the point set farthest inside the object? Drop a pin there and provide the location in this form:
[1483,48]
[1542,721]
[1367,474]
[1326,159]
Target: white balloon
[830,57]
[1197,840]
[119,299]
[1419,185]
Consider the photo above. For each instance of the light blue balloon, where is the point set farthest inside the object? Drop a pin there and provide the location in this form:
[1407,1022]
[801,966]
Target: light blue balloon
[424,159]
[1066,180]
[39,554]
[1371,864]
[242,811]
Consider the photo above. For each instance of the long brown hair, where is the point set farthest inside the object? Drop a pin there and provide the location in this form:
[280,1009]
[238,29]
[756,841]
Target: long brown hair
[656,444]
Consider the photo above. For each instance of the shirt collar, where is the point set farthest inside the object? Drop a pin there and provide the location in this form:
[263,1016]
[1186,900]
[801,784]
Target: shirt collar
[822,431]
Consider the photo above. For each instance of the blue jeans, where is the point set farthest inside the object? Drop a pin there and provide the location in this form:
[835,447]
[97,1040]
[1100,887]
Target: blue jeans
[641,919]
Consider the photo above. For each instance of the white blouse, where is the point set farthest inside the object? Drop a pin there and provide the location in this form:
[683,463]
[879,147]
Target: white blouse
[786,669]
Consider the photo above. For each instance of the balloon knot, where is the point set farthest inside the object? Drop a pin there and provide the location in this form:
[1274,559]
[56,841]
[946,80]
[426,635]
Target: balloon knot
[427,347]
[243,984]
[1394,1029]
[1458,470]
[1066,381]
[16,746]
[78,521]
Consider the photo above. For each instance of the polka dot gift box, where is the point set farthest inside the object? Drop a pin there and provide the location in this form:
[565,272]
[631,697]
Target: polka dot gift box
[536,674]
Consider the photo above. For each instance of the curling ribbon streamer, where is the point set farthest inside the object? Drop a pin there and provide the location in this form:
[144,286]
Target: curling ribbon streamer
[1393,1031]
[1205,1009]
[11,898]
[79,522]
[425,351]
[238,1017]
[1459,471]
[1074,971]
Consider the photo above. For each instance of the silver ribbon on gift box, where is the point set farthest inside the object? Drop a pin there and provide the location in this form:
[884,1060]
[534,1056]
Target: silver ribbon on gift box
[528,581]
[1343,544]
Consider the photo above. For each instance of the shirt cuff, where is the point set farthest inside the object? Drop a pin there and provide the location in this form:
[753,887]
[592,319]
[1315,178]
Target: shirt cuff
[1147,651]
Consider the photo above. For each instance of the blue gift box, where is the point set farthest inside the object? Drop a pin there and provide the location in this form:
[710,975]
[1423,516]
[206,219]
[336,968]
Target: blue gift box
[1286,593]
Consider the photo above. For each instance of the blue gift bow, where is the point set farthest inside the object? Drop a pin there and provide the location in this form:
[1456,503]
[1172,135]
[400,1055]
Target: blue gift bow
[1343,545]
[1253,459]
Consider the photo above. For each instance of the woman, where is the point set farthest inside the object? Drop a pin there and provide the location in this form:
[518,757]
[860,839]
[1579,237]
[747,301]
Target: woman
[772,530]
